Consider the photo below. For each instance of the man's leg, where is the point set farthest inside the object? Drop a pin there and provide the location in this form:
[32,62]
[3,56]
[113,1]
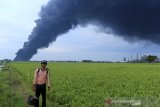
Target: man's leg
[43,92]
[37,93]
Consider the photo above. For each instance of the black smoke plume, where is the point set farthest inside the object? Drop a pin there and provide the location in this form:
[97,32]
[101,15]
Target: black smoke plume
[126,18]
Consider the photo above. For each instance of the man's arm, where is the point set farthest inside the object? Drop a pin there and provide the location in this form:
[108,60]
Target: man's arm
[48,79]
[35,77]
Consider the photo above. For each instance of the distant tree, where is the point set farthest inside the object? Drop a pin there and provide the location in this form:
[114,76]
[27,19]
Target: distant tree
[151,58]
[87,61]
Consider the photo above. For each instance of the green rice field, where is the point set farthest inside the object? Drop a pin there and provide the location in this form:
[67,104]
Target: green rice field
[85,84]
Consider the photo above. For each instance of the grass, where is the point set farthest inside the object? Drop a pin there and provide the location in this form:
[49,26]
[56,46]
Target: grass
[10,83]
[89,84]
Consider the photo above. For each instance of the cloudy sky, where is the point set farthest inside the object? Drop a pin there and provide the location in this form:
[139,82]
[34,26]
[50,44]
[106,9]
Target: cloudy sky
[17,21]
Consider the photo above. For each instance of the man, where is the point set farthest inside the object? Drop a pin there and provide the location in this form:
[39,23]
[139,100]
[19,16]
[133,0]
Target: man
[41,78]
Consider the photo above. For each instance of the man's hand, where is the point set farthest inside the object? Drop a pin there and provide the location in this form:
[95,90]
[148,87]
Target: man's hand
[34,88]
[49,87]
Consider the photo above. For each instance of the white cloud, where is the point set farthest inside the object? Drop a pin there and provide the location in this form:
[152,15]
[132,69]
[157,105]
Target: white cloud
[56,50]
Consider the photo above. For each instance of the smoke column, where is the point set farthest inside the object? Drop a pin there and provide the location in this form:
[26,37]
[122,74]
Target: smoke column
[126,18]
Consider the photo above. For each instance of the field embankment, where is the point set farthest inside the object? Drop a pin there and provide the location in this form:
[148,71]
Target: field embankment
[10,88]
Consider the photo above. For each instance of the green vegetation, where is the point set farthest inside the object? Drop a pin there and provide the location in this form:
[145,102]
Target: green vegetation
[86,84]
[10,89]
[151,58]
[1,63]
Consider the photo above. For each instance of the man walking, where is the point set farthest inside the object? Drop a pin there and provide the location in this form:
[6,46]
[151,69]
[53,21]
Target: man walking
[41,78]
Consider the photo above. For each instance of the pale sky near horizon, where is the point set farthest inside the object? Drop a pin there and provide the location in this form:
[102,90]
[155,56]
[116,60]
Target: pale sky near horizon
[17,21]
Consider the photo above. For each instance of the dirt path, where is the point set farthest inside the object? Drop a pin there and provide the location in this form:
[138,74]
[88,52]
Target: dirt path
[17,84]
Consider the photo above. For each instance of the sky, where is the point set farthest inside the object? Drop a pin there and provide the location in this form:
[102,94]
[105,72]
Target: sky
[17,19]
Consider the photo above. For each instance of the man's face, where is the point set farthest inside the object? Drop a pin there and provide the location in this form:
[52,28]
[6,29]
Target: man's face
[43,65]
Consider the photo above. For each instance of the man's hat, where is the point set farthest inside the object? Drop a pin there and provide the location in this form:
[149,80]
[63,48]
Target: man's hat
[44,62]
